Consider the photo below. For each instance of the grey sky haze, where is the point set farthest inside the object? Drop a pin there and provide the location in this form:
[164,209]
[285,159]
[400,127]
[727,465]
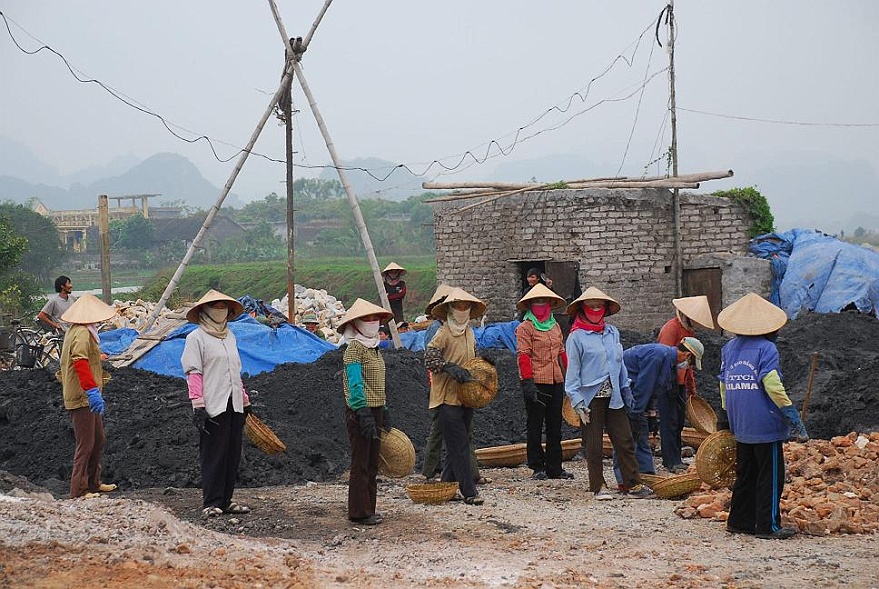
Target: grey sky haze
[413,81]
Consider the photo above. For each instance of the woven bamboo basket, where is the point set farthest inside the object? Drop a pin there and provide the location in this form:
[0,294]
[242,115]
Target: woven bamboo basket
[716,460]
[701,415]
[652,479]
[480,391]
[568,414]
[502,456]
[677,486]
[691,437]
[262,436]
[431,493]
[397,455]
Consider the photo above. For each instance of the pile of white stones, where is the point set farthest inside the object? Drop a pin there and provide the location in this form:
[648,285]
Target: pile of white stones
[329,309]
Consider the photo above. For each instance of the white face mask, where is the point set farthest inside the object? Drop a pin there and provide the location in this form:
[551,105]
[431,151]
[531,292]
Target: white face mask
[683,365]
[461,316]
[368,328]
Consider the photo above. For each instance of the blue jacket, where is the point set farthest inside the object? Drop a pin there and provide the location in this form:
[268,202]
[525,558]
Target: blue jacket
[594,357]
[753,416]
[651,369]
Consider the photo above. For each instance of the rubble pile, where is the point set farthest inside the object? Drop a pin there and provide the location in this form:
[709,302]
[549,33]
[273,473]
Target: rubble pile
[133,314]
[329,309]
[832,487]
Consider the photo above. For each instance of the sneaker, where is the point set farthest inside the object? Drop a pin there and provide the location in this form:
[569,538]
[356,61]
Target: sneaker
[474,500]
[369,520]
[563,475]
[581,455]
[603,495]
[640,492]
[735,530]
[779,534]
[539,475]
[678,468]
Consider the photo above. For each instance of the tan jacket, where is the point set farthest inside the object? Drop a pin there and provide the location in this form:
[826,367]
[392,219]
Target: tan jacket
[78,344]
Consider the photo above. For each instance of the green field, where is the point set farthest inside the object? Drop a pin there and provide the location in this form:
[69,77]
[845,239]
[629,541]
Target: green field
[344,278]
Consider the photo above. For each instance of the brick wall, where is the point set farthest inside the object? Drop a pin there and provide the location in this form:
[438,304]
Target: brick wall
[622,239]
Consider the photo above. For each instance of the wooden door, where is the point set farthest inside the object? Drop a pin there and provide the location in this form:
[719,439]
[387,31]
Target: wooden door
[705,281]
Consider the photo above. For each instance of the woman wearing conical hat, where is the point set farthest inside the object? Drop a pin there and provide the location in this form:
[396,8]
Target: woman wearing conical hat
[365,405]
[540,352]
[395,287]
[453,345]
[598,385]
[220,403]
[689,312]
[759,414]
[81,383]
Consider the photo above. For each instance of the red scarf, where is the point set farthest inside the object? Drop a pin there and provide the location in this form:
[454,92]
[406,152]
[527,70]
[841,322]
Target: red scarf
[581,323]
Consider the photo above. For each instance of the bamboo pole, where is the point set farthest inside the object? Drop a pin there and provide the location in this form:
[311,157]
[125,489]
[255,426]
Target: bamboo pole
[352,200]
[212,213]
[535,187]
[475,187]
[809,385]
[104,230]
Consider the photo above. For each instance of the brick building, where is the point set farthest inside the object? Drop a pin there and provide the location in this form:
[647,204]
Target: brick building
[620,240]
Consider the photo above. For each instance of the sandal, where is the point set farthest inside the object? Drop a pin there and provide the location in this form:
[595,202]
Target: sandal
[211,512]
[236,508]
[483,481]
[474,500]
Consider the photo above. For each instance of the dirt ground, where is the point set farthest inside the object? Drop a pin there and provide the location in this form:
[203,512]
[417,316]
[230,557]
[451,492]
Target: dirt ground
[528,533]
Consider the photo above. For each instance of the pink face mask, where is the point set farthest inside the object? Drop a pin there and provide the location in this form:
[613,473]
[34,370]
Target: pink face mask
[593,315]
[541,311]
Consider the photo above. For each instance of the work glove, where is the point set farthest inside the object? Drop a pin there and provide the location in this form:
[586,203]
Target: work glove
[628,397]
[460,374]
[199,419]
[652,422]
[722,421]
[529,390]
[368,428]
[583,412]
[797,429]
[386,419]
[248,410]
[96,402]
[487,358]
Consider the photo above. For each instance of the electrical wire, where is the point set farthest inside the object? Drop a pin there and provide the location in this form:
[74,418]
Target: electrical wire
[778,121]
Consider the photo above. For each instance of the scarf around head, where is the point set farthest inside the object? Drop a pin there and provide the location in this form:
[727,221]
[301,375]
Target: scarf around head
[457,321]
[544,325]
[581,323]
[214,321]
[93,329]
[364,332]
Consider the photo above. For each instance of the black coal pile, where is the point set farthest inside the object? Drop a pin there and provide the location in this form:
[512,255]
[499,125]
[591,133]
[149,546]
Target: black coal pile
[152,443]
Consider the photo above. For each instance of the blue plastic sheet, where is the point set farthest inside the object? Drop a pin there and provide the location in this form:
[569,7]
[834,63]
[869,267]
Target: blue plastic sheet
[261,348]
[117,341]
[819,273]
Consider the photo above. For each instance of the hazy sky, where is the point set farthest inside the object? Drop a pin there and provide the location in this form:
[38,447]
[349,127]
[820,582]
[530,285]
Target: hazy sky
[413,81]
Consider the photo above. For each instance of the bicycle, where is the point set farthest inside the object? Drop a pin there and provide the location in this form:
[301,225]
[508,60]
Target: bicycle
[21,348]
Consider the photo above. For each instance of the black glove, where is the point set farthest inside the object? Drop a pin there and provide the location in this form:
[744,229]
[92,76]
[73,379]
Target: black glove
[200,418]
[457,372]
[386,419]
[653,423]
[722,421]
[529,390]
[367,424]
[487,358]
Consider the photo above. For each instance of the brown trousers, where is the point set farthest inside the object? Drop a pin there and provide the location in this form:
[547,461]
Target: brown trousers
[616,422]
[88,431]
[364,466]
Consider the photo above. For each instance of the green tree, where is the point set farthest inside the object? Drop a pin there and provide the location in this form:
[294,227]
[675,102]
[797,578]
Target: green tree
[756,204]
[45,254]
[18,291]
[135,233]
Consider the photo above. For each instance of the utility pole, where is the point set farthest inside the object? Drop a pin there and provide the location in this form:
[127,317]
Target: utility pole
[104,231]
[288,121]
[676,200]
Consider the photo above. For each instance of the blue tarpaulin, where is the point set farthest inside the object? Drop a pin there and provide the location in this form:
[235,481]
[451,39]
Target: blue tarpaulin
[261,347]
[117,341]
[815,272]
[494,335]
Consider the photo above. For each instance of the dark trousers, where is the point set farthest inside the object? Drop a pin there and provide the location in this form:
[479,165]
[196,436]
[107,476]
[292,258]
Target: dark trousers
[433,448]
[219,451]
[672,407]
[617,425]
[643,451]
[548,412]
[758,487]
[364,465]
[456,422]
[88,431]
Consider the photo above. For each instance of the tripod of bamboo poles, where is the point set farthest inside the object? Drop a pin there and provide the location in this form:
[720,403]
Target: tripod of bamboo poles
[294,51]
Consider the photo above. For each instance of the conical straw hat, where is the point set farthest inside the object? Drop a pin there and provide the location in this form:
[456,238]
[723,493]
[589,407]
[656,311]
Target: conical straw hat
[696,308]
[752,315]
[441,310]
[439,294]
[211,296]
[362,308]
[540,291]
[613,306]
[394,266]
[88,309]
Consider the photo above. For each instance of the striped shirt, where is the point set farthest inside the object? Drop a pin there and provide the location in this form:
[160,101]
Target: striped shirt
[372,369]
[544,349]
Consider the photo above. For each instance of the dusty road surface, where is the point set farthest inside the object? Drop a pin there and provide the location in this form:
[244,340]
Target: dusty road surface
[529,534]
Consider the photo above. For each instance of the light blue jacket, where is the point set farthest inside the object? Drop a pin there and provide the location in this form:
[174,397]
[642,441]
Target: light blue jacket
[593,358]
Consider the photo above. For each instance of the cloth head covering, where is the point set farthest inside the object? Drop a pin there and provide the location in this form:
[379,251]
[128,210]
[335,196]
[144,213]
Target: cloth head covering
[439,294]
[362,308]
[539,291]
[310,317]
[612,306]
[394,266]
[235,308]
[88,309]
[752,315]
[696,348]
[441,310]
[696,308]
